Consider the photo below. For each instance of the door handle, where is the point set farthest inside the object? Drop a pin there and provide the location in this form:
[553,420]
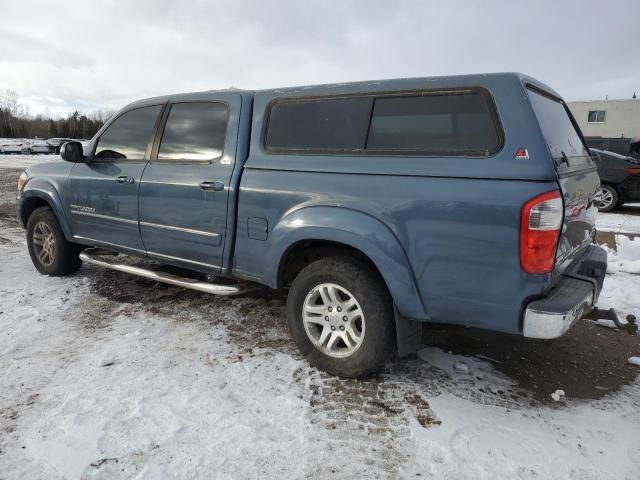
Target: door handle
[124,179]
[212,186]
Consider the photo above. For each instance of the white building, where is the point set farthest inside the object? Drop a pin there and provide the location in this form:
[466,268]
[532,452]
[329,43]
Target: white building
[608,118]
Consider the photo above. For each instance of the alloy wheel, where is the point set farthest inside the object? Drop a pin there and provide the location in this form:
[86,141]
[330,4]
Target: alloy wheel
[606,198]
[44,243]
[333,320]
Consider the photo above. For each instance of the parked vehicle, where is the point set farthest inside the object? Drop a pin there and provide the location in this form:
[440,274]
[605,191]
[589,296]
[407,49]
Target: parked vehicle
[56,143]
[627,147]
[620,179]
[379,205]
[35,146]
[11,147]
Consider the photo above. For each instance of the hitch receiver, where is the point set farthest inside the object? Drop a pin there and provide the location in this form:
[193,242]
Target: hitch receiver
[597,313]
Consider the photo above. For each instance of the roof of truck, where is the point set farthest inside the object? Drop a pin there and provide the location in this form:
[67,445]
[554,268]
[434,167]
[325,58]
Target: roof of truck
[399,83]
[481,79]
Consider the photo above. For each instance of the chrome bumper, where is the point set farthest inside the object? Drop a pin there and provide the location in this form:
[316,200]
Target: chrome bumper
[546,323]
[572,298]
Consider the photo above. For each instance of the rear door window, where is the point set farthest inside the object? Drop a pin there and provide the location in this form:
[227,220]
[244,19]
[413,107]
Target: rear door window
[128,137]
[452,124]
[318,125]
[194,132]
[562,137]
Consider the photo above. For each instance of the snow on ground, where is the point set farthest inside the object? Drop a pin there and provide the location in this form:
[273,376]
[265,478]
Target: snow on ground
[624,220]
[107,376]
[623,279]
[24,161]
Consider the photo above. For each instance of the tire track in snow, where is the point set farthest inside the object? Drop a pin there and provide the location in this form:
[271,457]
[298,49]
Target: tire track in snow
[370,422]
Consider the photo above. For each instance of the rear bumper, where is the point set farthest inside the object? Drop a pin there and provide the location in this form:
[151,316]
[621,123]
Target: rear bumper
[569,300]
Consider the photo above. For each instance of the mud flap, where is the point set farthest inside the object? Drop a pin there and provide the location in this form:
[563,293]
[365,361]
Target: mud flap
[408,334]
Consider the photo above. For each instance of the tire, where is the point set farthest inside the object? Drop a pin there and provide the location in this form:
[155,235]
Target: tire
[370,324]
[612,197]
[50,252]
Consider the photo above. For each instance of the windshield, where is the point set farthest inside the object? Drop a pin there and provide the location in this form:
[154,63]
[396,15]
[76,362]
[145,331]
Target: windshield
[561,136]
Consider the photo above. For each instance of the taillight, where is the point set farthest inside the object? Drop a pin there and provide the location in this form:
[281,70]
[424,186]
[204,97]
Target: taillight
[539,232]
[635,171]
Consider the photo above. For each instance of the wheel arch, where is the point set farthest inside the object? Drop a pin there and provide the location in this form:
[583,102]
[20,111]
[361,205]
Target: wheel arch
[35,197]
[619,191]
[325,230]
[303,252]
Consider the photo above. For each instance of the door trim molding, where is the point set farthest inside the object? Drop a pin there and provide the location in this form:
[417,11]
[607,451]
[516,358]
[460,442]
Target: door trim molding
[101,242]
[99,215]
[179,229]
[180,259]
[146,224]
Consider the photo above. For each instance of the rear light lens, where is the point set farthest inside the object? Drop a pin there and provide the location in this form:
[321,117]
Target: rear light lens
[540,231]
[634,171]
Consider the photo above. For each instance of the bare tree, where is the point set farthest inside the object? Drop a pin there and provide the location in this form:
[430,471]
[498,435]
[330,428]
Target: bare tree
[16,121]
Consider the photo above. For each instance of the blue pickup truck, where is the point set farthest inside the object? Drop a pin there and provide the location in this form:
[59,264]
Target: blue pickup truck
[378,205]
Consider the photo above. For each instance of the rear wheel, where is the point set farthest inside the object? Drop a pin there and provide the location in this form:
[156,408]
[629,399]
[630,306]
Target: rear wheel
[50,251]
[341,316]
[609,198]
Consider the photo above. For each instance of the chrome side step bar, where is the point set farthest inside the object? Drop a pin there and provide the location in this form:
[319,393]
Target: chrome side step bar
[103,258]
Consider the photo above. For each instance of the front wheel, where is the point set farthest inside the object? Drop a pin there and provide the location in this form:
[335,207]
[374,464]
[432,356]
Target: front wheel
[50,251]
[608,198]
[341,316]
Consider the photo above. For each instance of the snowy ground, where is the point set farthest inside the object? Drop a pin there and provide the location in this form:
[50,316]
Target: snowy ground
[23,161]
[107,376]
[624,220]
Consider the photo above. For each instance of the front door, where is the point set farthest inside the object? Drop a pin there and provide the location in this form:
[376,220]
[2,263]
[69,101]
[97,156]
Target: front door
[103,192]
[185,188]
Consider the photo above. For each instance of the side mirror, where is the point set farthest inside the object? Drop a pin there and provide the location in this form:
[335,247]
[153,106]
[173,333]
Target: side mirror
[72,152]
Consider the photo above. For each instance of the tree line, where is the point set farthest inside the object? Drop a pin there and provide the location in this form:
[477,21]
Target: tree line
[16,122]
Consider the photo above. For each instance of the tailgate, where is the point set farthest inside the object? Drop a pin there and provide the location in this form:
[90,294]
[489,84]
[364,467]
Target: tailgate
[577,175]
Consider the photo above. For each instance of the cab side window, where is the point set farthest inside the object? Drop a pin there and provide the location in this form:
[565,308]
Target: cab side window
[128,137]
[195,132]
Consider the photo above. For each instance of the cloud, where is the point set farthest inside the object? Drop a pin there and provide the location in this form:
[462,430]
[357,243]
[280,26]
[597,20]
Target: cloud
[19,48]
[111,52]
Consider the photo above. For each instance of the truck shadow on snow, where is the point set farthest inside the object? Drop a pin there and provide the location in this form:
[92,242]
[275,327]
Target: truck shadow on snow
[589,363]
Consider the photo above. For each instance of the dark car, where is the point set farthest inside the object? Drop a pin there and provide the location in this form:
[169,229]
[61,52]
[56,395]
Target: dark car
[627,147]
[56,143]
[620,179]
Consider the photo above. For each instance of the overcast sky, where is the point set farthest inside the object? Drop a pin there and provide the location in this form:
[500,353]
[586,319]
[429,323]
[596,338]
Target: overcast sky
[65,55]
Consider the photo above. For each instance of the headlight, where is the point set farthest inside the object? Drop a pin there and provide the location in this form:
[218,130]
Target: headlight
[22,179]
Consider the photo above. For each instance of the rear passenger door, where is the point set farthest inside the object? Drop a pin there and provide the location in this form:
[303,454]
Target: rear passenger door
[185,188]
